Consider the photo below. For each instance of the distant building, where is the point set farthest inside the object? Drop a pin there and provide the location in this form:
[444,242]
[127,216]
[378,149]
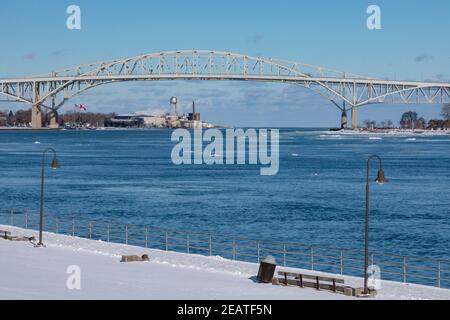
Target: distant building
[125,121]
[153,121]
[169,120]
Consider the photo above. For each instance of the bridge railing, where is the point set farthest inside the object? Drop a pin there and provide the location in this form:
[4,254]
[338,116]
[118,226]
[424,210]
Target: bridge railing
[406,269]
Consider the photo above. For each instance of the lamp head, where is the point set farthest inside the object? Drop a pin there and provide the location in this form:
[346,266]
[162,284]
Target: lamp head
[55,164]
[381,179]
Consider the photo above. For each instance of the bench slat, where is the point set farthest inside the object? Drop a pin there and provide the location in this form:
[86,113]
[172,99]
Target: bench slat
[313,285]
[310,277]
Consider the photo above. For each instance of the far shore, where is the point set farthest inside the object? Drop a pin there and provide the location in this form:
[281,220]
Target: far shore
[396,131]
[26,129]
[360,131]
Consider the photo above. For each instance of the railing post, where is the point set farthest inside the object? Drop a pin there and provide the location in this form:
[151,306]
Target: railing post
[56,226]
[405,277]
[146,237]
[234,249]
[12,217]
[167,241]
[284,255]
[73,227]
[258,251]
[126,234]
[312,259]
[26,220]
[210,246]
[90,230]
[108,233]
[439,274]
[342,262]
[187,244]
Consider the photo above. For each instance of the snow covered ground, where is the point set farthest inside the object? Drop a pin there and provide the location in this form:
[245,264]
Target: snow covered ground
[41,273]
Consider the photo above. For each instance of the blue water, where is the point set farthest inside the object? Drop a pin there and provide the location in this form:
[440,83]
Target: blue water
[317,197]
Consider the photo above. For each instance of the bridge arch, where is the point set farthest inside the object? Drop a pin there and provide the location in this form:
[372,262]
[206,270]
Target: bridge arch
[335,86]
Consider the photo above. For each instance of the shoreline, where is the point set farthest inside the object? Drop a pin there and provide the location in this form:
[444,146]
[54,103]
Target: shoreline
[394,132]
[347,132]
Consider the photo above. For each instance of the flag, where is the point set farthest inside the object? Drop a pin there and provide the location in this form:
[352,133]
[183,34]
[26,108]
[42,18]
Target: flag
[80,107]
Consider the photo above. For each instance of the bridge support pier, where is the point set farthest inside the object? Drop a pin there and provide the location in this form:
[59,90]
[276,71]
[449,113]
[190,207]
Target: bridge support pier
[53,117]
[36,117]
[354,118]
[344,119]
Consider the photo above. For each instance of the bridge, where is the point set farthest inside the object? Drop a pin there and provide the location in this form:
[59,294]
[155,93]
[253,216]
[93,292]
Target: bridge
[49,92]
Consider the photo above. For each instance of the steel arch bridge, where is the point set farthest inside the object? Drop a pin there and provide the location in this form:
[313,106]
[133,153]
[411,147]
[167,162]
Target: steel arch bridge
[49,92]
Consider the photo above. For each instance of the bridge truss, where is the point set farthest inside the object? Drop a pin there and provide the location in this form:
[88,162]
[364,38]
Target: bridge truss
[51,91]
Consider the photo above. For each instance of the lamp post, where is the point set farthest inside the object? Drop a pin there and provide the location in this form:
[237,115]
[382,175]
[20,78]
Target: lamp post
[55,165]
[381,179]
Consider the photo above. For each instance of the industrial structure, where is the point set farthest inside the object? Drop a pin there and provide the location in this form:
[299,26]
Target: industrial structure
[194,116]
[174,106]
[48,93]
[172,119]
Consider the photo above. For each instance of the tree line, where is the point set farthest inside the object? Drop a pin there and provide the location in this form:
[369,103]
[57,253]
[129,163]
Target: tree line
[411,120]
[22,118]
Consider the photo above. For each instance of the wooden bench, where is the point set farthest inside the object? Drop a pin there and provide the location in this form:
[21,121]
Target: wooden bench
[4,234]
[336,285]
[7,236]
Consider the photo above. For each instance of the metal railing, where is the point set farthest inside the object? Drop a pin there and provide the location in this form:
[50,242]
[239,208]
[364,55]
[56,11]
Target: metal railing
[406,269]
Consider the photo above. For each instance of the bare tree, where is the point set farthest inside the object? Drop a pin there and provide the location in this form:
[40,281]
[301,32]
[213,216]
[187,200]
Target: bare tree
[421,123]
[389,124]
[370,124]
[445,111]
[3,118]
[409,120]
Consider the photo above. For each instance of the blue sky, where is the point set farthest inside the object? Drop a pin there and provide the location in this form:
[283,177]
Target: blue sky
[413,44]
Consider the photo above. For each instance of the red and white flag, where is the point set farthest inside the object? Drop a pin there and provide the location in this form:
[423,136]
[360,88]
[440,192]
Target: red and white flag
[80,107]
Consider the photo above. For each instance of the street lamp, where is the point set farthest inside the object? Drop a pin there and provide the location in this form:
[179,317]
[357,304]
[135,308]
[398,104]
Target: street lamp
[55,165]
[381,179]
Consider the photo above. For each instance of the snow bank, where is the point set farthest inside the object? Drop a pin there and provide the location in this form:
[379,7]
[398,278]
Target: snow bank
[30,273]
